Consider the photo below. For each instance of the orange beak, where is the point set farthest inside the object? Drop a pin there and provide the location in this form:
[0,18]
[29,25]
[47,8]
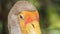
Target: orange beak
[29,22]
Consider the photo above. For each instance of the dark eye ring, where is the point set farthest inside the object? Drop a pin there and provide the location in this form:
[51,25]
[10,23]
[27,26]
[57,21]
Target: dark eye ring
[21,17]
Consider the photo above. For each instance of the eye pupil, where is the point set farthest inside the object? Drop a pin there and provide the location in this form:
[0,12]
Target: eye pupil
[21,17]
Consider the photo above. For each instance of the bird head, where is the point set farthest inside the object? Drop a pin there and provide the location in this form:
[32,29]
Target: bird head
[29,22]
[27,17]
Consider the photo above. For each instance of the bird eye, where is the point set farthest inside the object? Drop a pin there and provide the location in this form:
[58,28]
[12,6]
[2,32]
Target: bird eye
[21,17]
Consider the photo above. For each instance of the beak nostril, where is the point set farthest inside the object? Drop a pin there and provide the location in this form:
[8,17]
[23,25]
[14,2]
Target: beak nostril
[33,25]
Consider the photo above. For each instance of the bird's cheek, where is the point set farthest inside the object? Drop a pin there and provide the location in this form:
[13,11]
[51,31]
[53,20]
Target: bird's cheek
[28,20]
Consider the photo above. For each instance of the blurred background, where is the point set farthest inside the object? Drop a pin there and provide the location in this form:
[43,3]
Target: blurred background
[49,11]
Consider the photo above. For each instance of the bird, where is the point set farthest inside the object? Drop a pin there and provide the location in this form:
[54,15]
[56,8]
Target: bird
[23,18]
